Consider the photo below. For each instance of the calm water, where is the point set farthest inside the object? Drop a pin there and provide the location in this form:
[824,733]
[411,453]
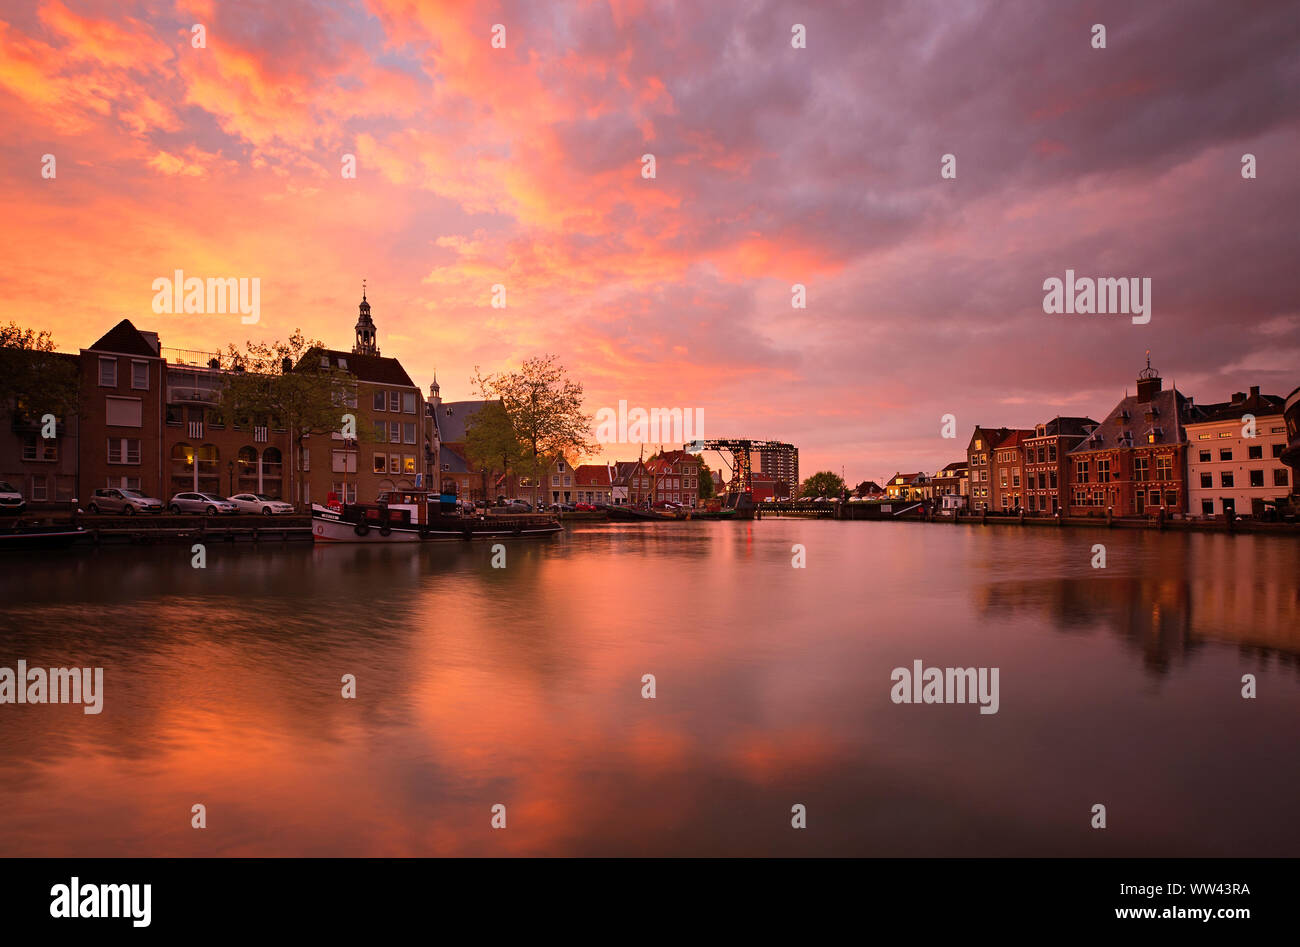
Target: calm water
[522,686]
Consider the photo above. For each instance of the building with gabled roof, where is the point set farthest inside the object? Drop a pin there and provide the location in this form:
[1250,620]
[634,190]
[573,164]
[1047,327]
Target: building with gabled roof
[1135,461]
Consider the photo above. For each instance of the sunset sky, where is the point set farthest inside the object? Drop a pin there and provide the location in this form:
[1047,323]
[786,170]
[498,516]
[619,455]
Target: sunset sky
[775,166]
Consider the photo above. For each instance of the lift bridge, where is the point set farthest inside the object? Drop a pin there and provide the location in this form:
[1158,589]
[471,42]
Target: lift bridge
[740,482]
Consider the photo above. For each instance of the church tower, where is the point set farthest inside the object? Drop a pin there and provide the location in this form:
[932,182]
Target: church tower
[435,393]
[367,343]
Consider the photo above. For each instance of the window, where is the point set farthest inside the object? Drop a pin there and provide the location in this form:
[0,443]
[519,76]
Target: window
[37,448]
[1165,468]
[1225,479]
[346,492]
[1225,453]
[408,402]
[1255,452]
[395,433]
[381,430]
[123,412]
[140,375]
[124,450]
[1140,468]
[381,401]
[306,460]
[1205,456]
[978,444]
[1202,437]
[381,464]
[1225,434]
[1279,477]
[1171,498]
[394,401]
[107,372]
[1207,507]
[394,463]
[1207,480]
[408,463]
[39,489]
[345,461]
[1277,449]
[1103,471]
[1051,453]
[1257,478]
[408,433]
[1081,472]
[1051,479]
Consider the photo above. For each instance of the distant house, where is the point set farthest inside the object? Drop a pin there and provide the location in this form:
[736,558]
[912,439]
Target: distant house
[952,481]
[1229,471]
[909,486]
[1046,462]
[869,490]
[594,483]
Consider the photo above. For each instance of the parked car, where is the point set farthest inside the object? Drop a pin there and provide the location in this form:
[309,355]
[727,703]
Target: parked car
[564,507]
[11,501]
[130,502]
[584,508]
[260,503]
[207,503]
[519,506]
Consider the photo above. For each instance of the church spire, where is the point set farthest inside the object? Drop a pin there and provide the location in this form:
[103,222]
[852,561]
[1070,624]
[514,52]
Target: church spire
[367,335]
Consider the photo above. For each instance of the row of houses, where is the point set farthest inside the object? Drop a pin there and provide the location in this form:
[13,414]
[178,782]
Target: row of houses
[151,418]
[1156,451]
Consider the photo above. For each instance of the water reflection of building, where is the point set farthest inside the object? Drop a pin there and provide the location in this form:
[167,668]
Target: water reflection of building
[1200,590]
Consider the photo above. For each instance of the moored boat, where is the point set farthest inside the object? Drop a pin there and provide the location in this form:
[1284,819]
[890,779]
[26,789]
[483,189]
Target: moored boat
[414,516]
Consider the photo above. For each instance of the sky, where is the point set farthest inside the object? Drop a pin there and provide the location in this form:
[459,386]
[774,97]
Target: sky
[774,166]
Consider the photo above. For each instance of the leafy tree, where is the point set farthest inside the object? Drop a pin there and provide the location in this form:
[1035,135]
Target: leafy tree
[35,379]
[283,382]
[823,484]
[706,480]
[545,408]
[491,443]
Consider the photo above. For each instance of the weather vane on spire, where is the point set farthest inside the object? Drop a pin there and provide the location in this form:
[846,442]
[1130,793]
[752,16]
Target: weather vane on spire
[363,294]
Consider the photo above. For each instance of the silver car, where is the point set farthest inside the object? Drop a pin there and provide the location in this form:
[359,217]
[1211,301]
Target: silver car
[207,503]
[130,502]
[260,503]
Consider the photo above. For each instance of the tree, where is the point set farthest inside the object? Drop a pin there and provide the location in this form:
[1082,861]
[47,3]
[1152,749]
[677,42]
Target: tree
[823,484]
[706,480]
[35,380]
[491,443]
[545,408]
[284,383]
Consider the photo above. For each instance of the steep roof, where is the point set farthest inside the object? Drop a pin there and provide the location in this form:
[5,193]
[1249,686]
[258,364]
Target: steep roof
[1013,438]
[1171,410]
[375,369]
[957,465]
[455,463]
[452,417]
[591,475]
[126,339]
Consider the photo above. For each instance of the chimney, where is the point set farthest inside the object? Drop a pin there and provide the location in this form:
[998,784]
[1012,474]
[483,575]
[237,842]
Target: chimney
[1254,392]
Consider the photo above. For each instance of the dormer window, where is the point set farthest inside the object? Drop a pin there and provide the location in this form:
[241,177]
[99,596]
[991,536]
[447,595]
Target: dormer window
[324,361]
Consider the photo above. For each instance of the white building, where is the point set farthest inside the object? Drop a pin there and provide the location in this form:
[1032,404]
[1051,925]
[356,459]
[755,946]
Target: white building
[1227,470]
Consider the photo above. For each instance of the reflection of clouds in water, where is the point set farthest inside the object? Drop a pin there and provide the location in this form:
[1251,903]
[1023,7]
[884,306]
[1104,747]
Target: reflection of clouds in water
[522,686]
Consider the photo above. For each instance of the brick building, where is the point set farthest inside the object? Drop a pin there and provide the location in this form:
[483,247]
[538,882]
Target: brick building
[1047,465]
[979,463]
[1135,462]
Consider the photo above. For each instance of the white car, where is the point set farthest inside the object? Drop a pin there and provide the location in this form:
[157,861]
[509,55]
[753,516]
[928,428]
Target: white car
[11,501]
[260,503]
[207,503]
